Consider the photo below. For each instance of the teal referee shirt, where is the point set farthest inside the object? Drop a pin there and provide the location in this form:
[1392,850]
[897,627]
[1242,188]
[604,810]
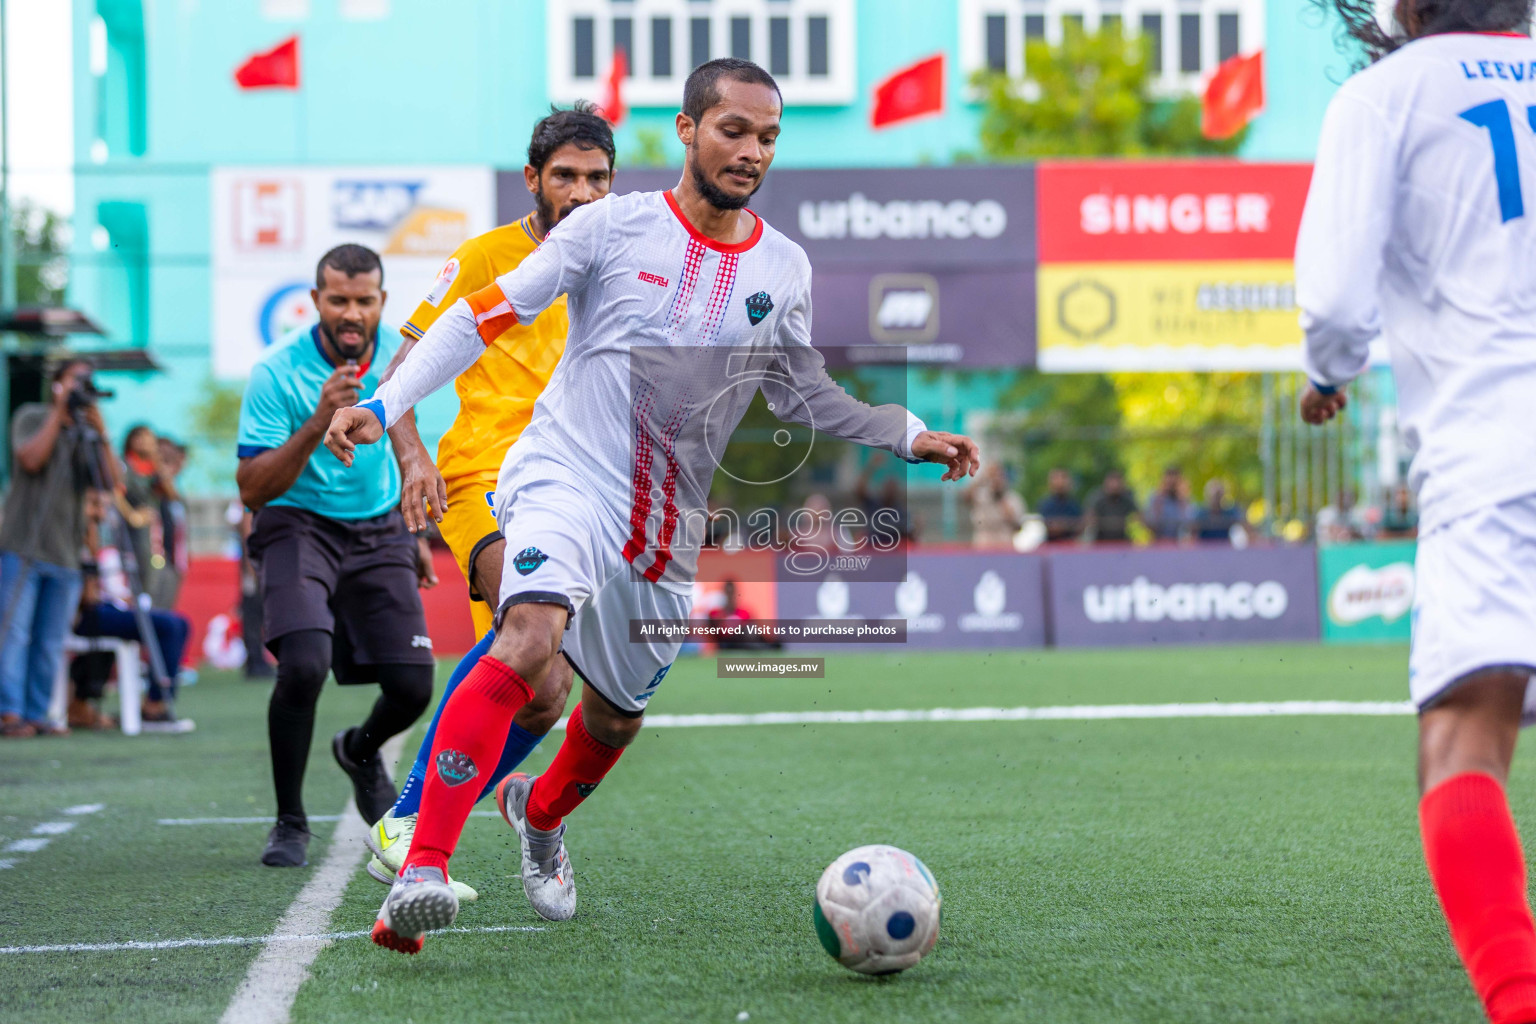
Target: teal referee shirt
[283,393]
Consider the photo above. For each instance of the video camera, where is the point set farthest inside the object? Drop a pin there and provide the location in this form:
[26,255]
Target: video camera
[85,394]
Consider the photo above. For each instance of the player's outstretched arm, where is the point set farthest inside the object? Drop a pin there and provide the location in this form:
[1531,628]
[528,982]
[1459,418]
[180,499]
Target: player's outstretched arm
[955,451]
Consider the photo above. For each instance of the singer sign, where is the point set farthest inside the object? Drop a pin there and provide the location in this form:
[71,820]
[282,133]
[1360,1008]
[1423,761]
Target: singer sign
[1168,265]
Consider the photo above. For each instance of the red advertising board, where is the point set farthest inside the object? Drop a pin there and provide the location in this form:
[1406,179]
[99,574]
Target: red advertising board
[1129,210]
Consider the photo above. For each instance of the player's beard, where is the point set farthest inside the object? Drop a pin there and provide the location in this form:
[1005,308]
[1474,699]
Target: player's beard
[350,355]
[713,194]
[548,215]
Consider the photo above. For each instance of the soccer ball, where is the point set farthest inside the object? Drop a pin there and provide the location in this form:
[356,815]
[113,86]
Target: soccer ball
[877,910]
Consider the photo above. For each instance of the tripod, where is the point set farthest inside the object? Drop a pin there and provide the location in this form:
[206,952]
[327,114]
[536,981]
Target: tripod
[87,448]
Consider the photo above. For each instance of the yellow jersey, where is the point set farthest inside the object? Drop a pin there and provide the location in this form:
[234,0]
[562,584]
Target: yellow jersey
[496,394]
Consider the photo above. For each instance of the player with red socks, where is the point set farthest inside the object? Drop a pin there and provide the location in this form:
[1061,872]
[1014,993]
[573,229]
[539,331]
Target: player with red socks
[684,305]
[1416,231]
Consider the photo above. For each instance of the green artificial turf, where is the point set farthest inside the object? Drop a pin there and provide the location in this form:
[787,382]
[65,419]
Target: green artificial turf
[1148,870]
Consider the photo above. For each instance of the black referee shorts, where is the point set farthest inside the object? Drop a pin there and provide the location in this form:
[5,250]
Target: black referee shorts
[356,580]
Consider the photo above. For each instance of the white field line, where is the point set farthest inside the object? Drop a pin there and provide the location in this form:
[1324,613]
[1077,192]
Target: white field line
[1070,712]
[52,828]
[84,809]
[281,968]
[1083,712]
[25,845]
[267,819]
[238,940]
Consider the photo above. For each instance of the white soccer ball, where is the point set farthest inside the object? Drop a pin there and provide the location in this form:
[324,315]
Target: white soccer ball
[877,910]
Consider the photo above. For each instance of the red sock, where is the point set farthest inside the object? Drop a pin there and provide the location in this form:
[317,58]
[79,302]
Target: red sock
[571,776]
[468,742]
[1478,868]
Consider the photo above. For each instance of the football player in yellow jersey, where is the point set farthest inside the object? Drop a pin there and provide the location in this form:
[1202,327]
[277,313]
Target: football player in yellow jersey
[570,163]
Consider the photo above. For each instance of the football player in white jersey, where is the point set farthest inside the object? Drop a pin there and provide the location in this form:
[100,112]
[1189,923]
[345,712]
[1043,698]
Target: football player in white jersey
[683,306]
[1417,230]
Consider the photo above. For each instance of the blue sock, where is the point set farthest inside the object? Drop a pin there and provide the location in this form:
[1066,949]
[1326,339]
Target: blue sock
[409,801]
[520,743]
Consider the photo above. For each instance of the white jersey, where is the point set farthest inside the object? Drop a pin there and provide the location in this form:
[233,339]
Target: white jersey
[672,334]
[1421,225]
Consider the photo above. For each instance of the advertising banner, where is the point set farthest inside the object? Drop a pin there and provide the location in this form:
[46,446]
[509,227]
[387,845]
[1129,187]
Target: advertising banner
[1168,316]
[1182,595]
[272,224]
[1168,265]
[947,601]
[1367,591]
[926,265]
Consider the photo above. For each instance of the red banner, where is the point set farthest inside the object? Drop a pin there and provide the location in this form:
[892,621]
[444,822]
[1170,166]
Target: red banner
[1126,210]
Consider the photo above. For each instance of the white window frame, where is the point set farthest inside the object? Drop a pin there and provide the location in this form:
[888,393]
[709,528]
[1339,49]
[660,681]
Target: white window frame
[1250,30]
[640,89]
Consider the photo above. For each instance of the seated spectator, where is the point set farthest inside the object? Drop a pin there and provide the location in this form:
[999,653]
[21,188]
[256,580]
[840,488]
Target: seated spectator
[810,526]
[1215,519]
[890,504]
[1062,512]
[997,511]
[1111,510]
[1401,519]
[729,613]
[1344,522]
[1168,512]
[106,610]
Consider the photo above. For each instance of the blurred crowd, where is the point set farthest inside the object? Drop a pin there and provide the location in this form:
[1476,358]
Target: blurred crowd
[1110,513]
[93,548]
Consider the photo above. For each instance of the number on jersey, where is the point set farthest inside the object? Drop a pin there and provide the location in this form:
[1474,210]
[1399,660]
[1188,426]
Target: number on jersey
[1494,116]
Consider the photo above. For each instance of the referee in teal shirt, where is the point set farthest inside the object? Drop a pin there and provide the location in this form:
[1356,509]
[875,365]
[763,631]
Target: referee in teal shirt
[339,571]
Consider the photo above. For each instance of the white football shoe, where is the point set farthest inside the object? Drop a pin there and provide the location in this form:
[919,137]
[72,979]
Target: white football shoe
[390,840]
[547,878]
[420,901]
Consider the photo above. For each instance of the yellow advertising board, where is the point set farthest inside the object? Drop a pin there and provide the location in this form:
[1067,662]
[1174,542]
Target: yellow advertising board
[1226,315]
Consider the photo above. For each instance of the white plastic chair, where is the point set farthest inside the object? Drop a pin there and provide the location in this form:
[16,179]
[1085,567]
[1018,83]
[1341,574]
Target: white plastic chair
[130,678]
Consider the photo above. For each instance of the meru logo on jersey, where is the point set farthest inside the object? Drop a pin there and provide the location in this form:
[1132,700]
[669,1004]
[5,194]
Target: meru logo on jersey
[759,306]
[455,768]
[528,560]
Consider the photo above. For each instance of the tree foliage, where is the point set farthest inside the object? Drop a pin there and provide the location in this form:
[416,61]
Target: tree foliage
[1207,424]
[41,245]
[1090,95]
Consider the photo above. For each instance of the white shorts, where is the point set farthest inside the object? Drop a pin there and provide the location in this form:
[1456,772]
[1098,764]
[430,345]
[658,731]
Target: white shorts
[1474,604]
[560,551]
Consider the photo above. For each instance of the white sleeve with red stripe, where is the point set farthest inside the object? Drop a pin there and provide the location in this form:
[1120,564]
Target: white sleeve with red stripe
[450,346]
[807,395]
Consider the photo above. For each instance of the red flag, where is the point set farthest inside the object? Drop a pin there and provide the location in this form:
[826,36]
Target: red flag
[278,68]
[1234,96]
[913,91]
[613,99]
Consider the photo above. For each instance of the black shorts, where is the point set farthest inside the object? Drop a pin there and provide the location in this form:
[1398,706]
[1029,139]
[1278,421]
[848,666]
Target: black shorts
[355,580]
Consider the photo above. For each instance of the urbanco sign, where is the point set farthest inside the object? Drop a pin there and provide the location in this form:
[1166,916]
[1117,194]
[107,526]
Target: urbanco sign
[1183,595]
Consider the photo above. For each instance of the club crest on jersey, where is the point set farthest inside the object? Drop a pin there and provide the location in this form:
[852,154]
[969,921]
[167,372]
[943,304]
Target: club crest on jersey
[528,560]
[455,768]
[759,306]
[584,789]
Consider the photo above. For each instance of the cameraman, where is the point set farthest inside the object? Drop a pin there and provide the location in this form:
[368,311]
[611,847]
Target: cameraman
[40,541]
